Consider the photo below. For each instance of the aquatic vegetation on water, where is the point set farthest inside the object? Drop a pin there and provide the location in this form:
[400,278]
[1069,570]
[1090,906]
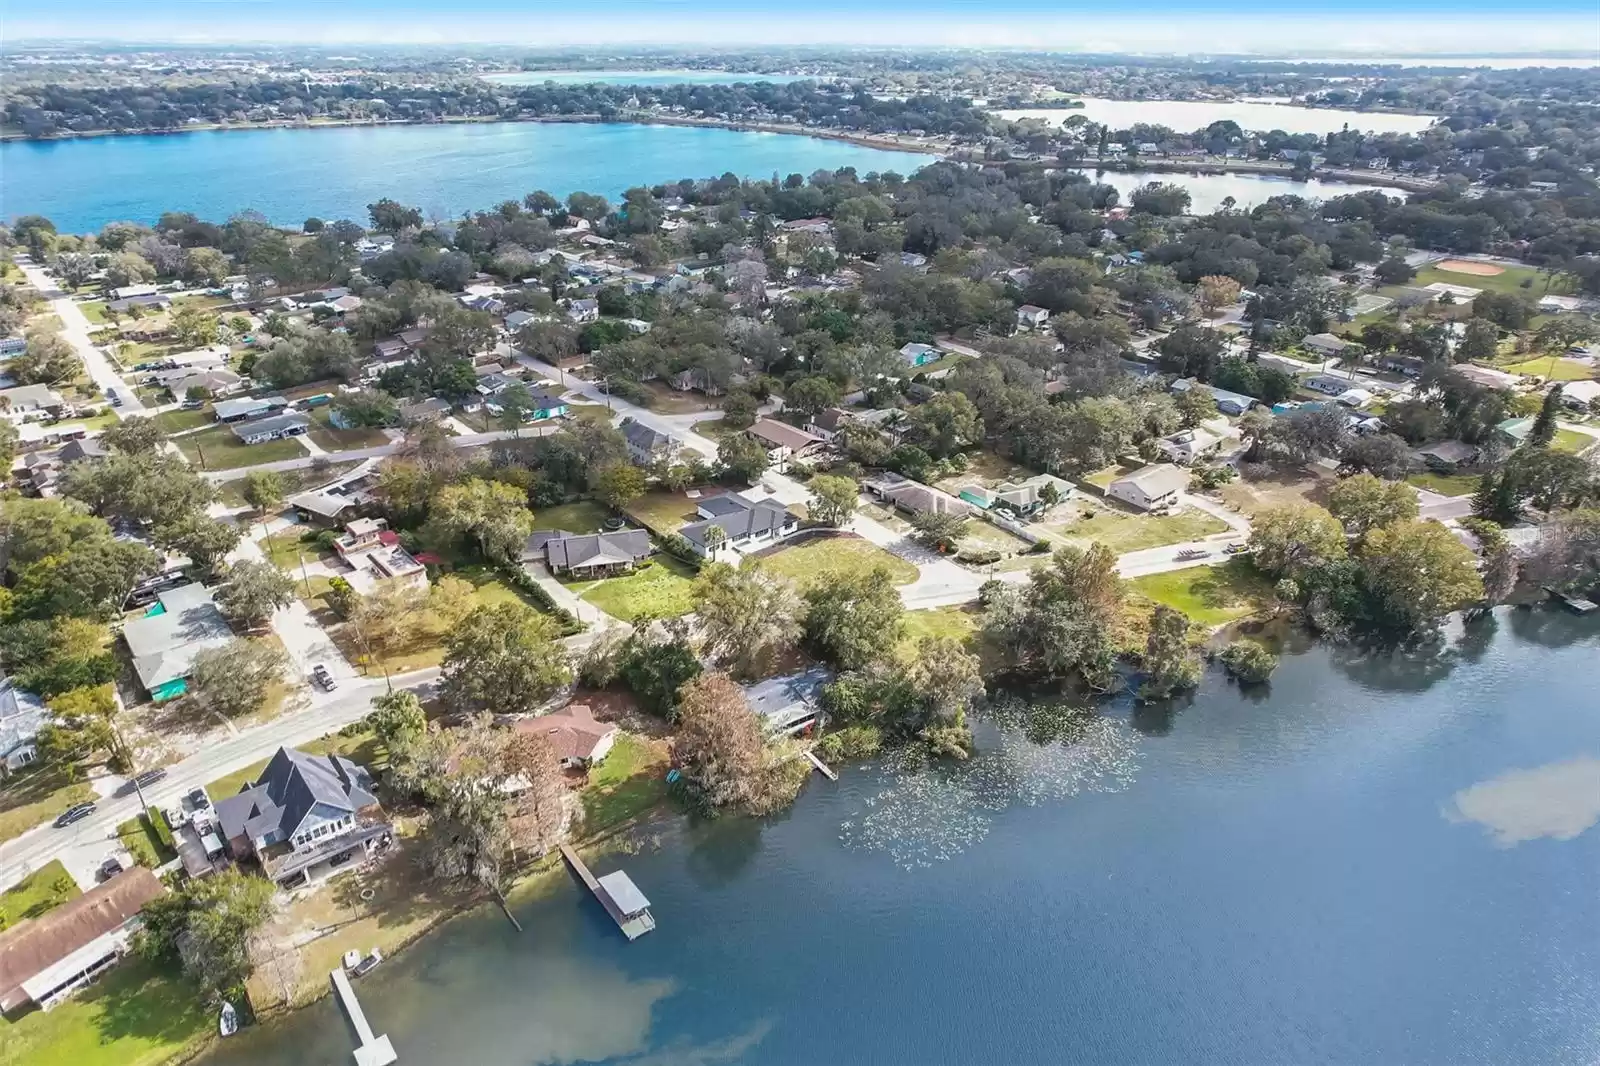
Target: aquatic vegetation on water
[1027,754]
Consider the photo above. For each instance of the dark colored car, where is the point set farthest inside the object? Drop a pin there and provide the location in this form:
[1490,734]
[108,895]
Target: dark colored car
[150,777]
[110,868]
[199,800]
[320,675]
[74,814]
[1236,549]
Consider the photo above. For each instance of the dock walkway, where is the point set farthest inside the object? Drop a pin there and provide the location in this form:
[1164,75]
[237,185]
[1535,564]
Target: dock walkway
[373,1050]
[618,894]
[822,767]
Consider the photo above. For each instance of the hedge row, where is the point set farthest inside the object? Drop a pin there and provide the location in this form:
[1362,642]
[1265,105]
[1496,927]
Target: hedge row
[523,581]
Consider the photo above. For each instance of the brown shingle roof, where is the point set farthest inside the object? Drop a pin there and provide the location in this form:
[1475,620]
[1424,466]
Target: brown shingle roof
[572,730]
[39,943]
[781,434]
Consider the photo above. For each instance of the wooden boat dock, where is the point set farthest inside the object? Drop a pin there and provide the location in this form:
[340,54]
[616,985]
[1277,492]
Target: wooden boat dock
[1575,604]
[373,1050]
[822,767]
[618,894]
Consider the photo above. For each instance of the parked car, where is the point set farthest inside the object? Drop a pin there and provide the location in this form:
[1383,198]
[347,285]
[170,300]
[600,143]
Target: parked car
[198,800]
[323,679]
[110,868]
[1236,549]
[1192,553]
[150,777]
[175,816]
[74,814]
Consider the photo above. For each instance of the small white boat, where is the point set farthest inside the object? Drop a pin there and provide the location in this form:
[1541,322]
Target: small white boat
[367,965]
[228,1023]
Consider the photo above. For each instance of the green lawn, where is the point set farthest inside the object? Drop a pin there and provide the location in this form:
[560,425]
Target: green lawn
[1103,478]
[1444,484]
[1570,440]
[1209,595]
[1124,532]
[958,623]
[48,886]
[339,440]
[139,837]
[179,421]
[285,549]
[95,312]
[1508,280]
[1554,370]
[36,797]
[590,412]
[134,1016]
[982,535]
[944,362]
[662,512]
[584,516]
[715,428]
[821,559]
[662,589]
[491,587]
[219,449]
[630,781]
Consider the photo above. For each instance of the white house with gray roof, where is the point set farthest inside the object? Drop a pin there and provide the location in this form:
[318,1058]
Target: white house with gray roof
[22,715]
[647,445]
[732,524]
[166,641]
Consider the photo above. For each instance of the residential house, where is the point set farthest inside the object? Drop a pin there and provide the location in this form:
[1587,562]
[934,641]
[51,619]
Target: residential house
[817,227]
[279,427]
[1327,384]
[339,500]
[1580,395]
[12,346]
[827,422]
[697,379]
[588,554]
[789,704]
[131,292]
[375,557]
[646,444]
[915,497]
[150,301]
[1151,487]
[586,310]
[1448,456]
[1185,446]
[44,960]
[390,350]
[578,739]
[517,319]
[916,355]
[248,407]
[22,715]
[41,470]
[783,441]
[1355,398]
[913,261]
[1229,403]
[430,410]
[492,381]
[164,643]
[304,818]
[1032,317]
[740,525]
[1021,498]
[1327,345]
[24,402]
[210,382]
[1484,376]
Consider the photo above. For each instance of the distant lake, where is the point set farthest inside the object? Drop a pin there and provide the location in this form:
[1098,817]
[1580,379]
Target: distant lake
[1207,191]
[1491,62]
[1186,116]
[290,174]
[1384,859]
[634,77]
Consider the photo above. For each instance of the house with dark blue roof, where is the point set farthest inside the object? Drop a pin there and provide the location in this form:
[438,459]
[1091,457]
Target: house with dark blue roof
[305,817]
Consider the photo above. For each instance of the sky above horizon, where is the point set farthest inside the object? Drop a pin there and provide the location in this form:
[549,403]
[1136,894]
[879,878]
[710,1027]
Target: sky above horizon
[1163,26]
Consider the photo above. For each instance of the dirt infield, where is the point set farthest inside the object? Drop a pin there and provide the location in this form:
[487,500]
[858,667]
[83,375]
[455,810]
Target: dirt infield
[1467,266]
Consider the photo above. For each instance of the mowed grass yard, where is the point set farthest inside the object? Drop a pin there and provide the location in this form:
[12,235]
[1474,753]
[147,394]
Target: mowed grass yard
[822,559]
[34,798]
[585,516]
[338,440]
[664,588]
[1509,279]
[47,887]
[1084,522]
[1444,484]
[136,1015]
[631,780]
[1209,595]
[219,449]
[1551,369]
[663,512]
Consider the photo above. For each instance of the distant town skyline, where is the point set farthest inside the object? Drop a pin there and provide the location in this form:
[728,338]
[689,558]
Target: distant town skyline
[1484,27]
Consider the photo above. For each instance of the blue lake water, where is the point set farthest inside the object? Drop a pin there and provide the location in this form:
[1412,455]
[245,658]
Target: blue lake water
[291,174]
[1383,860]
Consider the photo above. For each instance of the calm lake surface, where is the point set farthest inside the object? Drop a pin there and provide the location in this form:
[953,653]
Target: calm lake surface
[1186,116]
[633,77]
[291,174]
[1385,860]
[1207,191]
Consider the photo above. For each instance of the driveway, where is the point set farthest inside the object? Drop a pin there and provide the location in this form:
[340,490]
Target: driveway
[75,329]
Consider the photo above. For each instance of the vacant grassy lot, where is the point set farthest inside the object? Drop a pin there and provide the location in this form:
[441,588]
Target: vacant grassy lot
[631,780]
[1510,279]
[95,312]
[590,412]
[662,589]
[285,549]
[715,428]
[31,799]
[135,1016]
[1444,484]
[663,512]
[986,535]
[139,837]
[48,886]
[585,516]
[338,440]
[179,421]
[232,492]
[1209,595]
[984,468]
[219,449]
[822,559]
[1083,522]
[958,623]
[1570,440]
[1284,486]
[1102,479]
[670,401]
[1551,369]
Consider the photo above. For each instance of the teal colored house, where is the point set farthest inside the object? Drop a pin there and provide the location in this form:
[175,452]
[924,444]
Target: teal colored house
[547,406]
[916,355]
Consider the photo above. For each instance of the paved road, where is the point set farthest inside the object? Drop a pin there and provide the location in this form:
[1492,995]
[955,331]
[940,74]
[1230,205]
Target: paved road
[76,329]
[377,451]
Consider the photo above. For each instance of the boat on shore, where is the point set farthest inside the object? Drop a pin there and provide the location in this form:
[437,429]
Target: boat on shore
[228,1021]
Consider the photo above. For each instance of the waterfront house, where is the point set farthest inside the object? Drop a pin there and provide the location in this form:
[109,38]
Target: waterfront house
[741,525]
[1030,316]
[783,441]
[588,555]
[578,739]
[305,818]
[183,622]
[647,445]
[22,715]
[280,427]
[1151,487]
[44,960]
[788,704]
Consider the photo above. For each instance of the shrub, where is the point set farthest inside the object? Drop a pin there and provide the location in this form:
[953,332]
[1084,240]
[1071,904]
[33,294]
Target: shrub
[520,579]
[1248,662]
[851,742]
[979,556]
[677,547]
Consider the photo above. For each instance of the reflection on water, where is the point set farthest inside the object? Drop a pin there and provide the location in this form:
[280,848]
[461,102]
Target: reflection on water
[1559,800]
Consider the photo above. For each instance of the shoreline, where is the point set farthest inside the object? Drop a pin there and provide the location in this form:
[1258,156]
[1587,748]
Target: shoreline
[863,140]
